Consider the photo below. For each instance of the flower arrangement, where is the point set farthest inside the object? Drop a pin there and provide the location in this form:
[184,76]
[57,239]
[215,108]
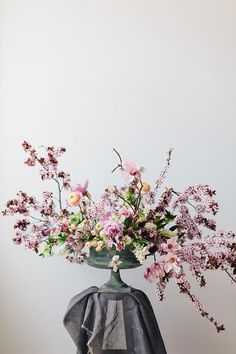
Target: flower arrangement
[177,229]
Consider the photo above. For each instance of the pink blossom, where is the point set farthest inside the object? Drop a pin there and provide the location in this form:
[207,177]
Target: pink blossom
[131,171]
[170,262]
[171,245]
[125,212]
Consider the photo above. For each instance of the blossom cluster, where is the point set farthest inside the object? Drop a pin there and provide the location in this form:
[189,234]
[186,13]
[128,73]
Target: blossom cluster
[177,229]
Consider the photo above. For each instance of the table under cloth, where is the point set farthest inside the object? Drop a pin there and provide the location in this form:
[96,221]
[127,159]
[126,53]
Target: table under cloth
[112,322]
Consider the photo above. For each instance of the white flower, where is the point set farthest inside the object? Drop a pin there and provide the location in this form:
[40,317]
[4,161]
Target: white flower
[103,235]
[140,254]
[60,251]
[150,226]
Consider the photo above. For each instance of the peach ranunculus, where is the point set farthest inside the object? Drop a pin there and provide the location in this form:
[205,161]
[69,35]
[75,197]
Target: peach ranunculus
[74,198]
[145,188]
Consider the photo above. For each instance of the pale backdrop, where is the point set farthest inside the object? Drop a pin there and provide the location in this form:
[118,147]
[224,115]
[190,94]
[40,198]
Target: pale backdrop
[138,75]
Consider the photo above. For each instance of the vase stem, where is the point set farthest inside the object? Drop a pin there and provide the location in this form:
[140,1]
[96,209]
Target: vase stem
[114,283]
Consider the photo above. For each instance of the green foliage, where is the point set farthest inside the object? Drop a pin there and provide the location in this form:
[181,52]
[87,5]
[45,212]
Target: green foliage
[130,197]
[75,218]
[161,221]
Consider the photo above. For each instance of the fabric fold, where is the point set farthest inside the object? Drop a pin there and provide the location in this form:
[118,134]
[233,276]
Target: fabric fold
[113,323]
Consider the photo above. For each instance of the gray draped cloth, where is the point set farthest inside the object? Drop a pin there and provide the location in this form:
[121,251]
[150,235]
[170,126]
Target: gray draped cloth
[113,323]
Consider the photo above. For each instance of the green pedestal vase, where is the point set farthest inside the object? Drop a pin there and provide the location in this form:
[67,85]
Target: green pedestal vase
[103,258]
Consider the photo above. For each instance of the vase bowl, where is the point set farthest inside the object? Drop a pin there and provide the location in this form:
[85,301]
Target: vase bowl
[102,258]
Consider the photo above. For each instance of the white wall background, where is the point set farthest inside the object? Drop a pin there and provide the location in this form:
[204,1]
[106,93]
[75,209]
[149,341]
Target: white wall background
[138,75]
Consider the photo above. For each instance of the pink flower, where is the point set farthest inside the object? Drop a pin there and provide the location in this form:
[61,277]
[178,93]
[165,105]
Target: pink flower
[130,171]
[125,212]
[170,262]
[113,229]
[149,275]
[81,189]
[171,245]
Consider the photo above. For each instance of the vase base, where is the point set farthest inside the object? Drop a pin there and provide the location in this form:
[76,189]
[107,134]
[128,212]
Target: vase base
[114,283]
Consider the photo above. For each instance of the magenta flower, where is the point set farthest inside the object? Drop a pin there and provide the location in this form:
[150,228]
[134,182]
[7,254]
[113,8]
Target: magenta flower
[81,189]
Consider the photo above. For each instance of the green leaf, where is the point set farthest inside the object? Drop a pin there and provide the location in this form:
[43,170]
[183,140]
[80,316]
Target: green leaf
[173,228]
[169,217]
[128,222]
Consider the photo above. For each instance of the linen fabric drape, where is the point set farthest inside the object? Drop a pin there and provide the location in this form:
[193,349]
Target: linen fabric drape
[113,323]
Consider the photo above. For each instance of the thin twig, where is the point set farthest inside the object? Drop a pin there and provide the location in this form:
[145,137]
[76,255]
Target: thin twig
[39,220]
[231,277]
[131,206]
[117,153]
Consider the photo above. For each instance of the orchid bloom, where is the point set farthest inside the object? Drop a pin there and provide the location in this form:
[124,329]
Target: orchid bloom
[81,189]
[170,262]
